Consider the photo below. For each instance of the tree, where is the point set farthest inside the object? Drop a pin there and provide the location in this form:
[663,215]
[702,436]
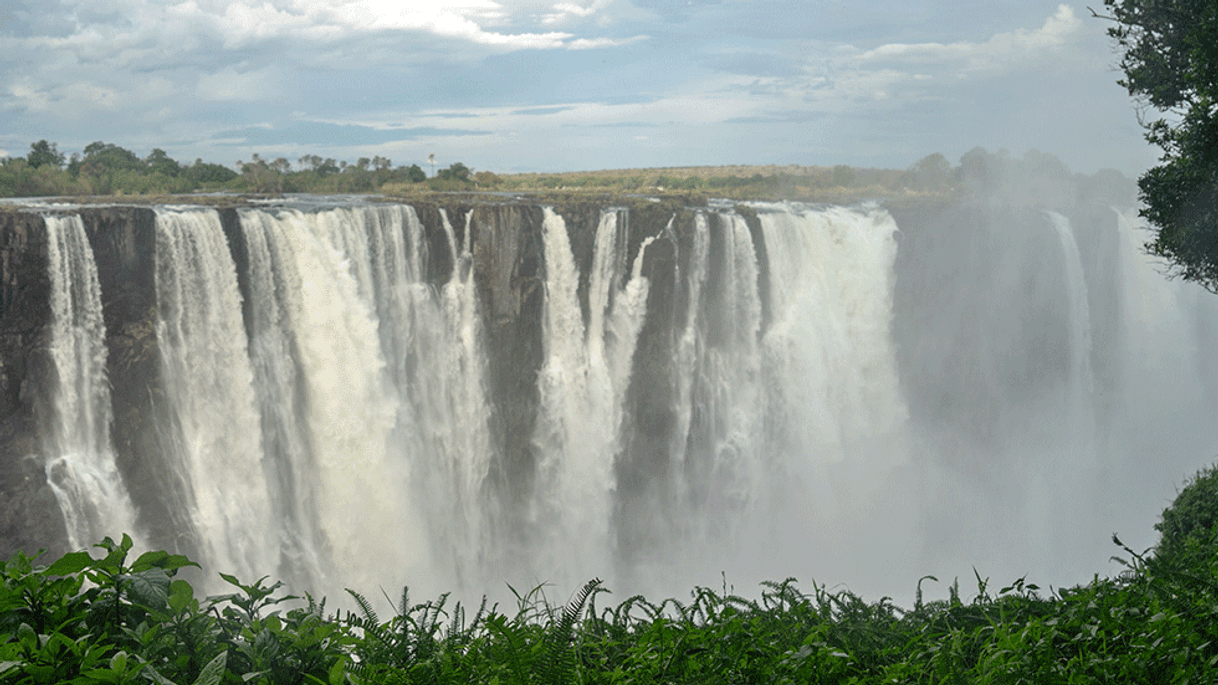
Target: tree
[158,161]
[204,172]
[261,176]
[415,174]
[456,172]
[44,153]
[843,176]
[1170,62]
[112,157]
[932,173]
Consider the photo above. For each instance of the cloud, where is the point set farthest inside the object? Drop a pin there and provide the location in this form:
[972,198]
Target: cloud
[74,97]
[754,63]
[329,134]
[27,97]
[231,85]
[565,11]
[598,43]
[539,111]
[472,21]
[841,78]
[795,116]
[1001,51]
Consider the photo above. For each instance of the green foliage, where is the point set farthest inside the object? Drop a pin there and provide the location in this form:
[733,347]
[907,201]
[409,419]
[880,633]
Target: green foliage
[1170,61]
[843,176]
[107,169]
[931,174]
[456,172]
[44,153]
[100,618]
[415,174]
[1192,518]
[201,173]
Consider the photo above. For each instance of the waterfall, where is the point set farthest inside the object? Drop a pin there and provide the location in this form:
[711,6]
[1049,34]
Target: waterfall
[1165,383]
[582,386]
[830,364]
[340,472]
[1078,313]
[777,388]
[275,310]
[459,448]
[80,464]
[209,385]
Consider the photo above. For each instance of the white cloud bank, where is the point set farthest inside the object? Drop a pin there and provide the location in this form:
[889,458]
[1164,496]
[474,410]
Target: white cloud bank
[1001,51]
[716,84]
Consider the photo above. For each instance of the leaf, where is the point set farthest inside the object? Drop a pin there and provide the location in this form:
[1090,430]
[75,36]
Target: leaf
[27,637]
[19,564]
[149,588]
[213,672]
[232,580]
[162,560]
[72,562]
[156,677]
[338,671]
[181,594]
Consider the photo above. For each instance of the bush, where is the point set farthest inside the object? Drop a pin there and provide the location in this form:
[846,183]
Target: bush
[1193,515]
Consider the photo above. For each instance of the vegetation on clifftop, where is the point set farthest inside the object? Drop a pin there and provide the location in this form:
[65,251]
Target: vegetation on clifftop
[105,169]
[108,619]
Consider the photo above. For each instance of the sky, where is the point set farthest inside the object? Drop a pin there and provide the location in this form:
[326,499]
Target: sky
[568,85]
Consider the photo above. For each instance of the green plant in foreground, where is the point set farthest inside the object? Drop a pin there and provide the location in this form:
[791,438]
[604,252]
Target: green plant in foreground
[86,619]
[99,620]
[1193,515]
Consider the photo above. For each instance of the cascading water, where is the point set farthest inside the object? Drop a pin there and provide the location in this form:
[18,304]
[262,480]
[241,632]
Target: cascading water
[1166,384]
[216,453]
[827,395]
[723,461]
[452,395]
[789,406]
[347,475]
[80,462]
[582,386]
[829,355]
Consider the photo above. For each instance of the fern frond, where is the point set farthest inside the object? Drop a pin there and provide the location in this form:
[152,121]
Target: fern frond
[560,658]
[368,613]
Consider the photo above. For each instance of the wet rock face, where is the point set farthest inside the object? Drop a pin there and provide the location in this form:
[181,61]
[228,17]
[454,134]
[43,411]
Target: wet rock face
[29,516]
[509,273]
[24,302]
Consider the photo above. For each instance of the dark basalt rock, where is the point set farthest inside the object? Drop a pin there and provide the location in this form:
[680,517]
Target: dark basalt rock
[29,515]
[509,273]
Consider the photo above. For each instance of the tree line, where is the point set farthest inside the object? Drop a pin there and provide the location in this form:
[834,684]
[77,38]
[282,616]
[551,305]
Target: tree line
[108,169]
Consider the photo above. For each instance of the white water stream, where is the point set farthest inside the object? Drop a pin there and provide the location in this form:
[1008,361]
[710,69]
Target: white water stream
[80,465]
[336,428]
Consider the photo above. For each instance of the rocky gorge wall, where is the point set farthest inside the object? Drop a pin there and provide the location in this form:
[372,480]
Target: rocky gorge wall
[508,270]
[779,380]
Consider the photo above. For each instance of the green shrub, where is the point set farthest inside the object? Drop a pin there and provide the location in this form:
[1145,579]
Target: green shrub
[1192,515]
